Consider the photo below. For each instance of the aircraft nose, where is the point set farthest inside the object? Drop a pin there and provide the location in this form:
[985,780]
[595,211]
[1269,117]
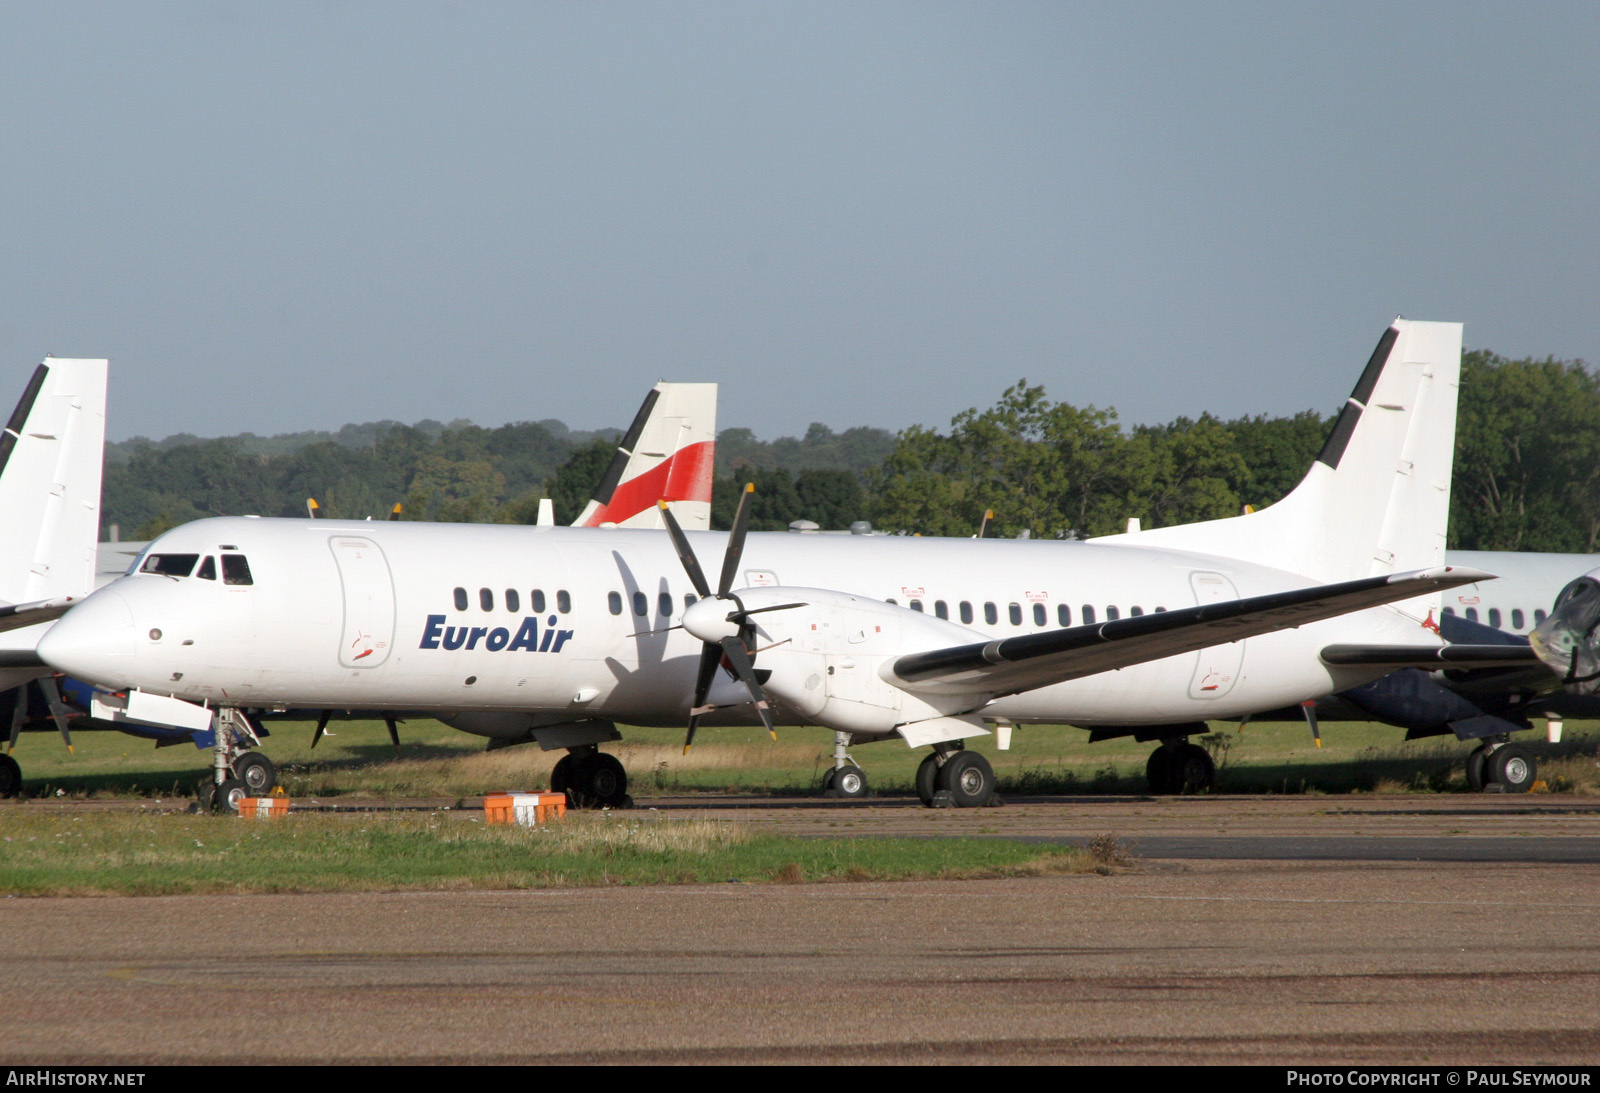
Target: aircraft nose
[94,641]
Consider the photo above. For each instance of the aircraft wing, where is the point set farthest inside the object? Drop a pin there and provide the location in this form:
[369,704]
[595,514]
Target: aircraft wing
[1430,657]
[17,615]
[1010,665]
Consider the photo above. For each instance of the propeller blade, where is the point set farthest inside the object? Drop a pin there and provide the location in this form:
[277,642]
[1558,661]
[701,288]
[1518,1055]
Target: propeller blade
[774,607]
[18,712]
[58,710]
[680,543]
[394,734]
[322,724]
[313,509]
[733,649]
[741,524]
[710,658]
[1309,707]
[394,513]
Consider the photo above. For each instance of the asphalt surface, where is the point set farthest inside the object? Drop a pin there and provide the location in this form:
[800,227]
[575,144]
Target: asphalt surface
[1461,957]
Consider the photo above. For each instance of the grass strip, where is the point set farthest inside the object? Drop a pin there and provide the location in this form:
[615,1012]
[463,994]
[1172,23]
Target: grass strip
[148,853]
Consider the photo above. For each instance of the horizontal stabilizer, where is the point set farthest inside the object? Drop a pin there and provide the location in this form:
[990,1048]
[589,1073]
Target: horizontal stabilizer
[1010,665]
[1433,657]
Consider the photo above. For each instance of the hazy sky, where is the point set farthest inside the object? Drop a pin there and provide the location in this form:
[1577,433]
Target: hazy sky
[280,216]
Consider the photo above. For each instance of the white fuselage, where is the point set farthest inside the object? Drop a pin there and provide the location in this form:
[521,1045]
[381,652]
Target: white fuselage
[361,615]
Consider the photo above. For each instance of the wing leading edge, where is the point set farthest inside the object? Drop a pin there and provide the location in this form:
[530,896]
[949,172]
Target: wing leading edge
[1010,665]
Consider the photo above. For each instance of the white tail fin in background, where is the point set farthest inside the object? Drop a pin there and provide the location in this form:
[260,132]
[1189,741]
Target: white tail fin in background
[1377,498]
[668,454]
[51,453]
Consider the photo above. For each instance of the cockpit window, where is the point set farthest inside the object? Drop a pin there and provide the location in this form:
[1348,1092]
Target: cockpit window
[235,569]
[170,565]
[208,569]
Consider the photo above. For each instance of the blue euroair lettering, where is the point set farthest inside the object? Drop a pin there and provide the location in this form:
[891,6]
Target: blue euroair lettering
[527,639]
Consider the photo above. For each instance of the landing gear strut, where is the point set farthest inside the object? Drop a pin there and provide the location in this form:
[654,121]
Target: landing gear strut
[591,779]
[236,771]
[1501,767]
[844,778]
[1178,766]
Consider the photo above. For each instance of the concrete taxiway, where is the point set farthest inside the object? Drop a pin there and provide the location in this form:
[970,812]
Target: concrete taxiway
[1258,958]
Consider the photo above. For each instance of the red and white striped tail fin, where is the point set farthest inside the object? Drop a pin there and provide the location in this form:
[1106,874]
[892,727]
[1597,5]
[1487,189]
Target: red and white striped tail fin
[668,454]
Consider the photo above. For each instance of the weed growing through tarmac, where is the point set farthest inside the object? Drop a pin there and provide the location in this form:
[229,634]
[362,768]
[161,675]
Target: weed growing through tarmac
[1108,853]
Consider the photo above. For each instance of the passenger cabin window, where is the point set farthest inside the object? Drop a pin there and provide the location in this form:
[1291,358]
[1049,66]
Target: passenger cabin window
[1494,617]
[1517,618]
[170,565]
[563,601]
[1472,614]
[991,614]
[236,570]
[688,600]
[461,599]
[208,569]
[664,603]
[1449,611]
[1135,611]
[641,604]
[1538,615]
[892,600]
[1063,614]
[941,609]
[915,605]
[1088,615]
[536,599]
[966,612]
[1040,615]
[486,599]
[1014,613]
[513,601]
[614,601]
[1112,613]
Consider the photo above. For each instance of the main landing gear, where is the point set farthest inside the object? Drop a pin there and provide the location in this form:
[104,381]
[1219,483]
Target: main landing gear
[237,772]
[1498,767]
[591,779]
[1178,766]
[963,778]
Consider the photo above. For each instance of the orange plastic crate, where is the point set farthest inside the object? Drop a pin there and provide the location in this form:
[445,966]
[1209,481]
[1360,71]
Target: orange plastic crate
[527,809]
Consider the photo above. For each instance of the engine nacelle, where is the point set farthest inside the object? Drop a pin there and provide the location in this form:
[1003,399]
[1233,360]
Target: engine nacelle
[829,658]
[1567,641]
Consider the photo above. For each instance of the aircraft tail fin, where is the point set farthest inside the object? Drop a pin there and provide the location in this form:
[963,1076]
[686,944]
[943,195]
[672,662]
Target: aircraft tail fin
[51,451]
[667,454]
[1377,497]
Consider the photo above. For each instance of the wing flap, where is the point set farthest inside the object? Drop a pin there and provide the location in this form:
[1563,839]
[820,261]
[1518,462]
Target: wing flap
[1010,665]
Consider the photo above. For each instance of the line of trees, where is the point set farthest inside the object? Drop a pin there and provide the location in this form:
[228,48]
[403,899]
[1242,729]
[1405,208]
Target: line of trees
[1527,472]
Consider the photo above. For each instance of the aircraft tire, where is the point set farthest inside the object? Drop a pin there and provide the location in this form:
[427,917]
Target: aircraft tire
[256,772]
[1194,771]
[827,781]
[205,795]
[1478,768]
[928,778]
[1513,767]
[598,781]
[969,778]
[849,781]
[10,777]
[1160,773]
[561,774]
[229,794]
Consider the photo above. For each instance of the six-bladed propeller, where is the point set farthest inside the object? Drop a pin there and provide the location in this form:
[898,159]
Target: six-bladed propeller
[720,620]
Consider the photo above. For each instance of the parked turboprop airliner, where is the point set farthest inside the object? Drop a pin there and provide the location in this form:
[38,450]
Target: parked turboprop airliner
[553,634]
